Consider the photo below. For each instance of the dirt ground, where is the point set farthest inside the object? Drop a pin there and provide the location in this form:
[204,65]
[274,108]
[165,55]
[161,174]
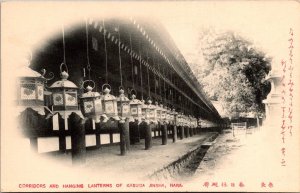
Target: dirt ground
[107,162]
[248,160]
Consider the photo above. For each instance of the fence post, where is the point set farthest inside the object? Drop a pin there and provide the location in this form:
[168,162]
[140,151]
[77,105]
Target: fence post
[77,129]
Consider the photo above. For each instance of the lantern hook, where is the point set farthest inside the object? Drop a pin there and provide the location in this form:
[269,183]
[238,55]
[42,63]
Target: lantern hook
[88,81]
[132,91]
[107,86]
[65,66]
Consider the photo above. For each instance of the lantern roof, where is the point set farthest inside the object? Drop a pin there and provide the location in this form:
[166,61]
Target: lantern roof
[122,96]
[108,96]
[134,100]
[28,72]
[90,93]
[63,83]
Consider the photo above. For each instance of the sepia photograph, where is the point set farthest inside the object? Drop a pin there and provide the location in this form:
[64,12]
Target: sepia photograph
[150,96]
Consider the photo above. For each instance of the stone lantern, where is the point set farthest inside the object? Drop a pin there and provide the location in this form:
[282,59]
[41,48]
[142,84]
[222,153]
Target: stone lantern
[272,103]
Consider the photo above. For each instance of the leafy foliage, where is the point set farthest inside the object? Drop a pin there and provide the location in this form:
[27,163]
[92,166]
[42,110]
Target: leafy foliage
[232,72]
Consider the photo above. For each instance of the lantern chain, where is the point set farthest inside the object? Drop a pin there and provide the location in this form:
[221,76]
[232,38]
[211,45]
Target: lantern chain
[154,74]
[105,50]
[64,44]
[120,61]
[148,77]
[87,50]
[165,98]
[131,60]
[141,70]
[159,81]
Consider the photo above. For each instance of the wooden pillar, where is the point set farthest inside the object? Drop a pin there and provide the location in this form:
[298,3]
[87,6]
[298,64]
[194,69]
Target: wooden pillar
[127,137]
[174,127]
[155,129]
[77,129]
[33,144]
[134,132]
[164,134]
[148,137]
[111,139]
[97,133]
[124,137]
[62,134]
[181,132]
[138,137]
[187,132]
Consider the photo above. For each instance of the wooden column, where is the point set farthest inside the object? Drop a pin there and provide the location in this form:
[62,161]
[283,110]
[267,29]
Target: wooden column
[148,137]
[62,134]
[97,133]
[191,132]
[127,137]
[33,144]
[174,127]
[187,131]
[31,123]
[164,134]
[134,133]
[124,137]
[155,129]
[181,132]
[77,129]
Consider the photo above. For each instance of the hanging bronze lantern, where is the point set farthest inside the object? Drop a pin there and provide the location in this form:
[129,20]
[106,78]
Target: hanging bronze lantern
[123,106]
[31,88]
[178,120]
[158,112]
[144,111]
[169,115]
[91,103]
[64,93]
[199,122]
[174,116]
[135,108]
[163,114]
[109,102]
[151,112]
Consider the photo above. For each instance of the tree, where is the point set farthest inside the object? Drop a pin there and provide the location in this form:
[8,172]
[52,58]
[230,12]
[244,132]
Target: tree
[232,72]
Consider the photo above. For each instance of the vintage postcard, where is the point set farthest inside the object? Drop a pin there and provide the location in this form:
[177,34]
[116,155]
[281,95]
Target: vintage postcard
[135,96]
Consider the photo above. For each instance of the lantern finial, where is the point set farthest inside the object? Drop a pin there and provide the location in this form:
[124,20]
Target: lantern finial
[64,75]
[89,88]
[106,90]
